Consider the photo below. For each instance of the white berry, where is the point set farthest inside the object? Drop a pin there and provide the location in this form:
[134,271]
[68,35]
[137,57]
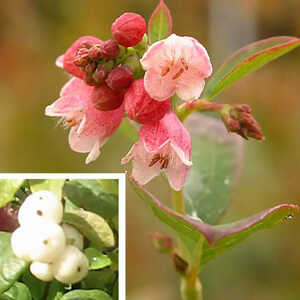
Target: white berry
[71,267]
[47,242]
[41,271]
[73,236]
[41,206]
[20,244]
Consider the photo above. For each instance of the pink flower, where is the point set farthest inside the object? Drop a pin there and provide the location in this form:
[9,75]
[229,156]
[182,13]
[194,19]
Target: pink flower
[164,145]
[90,128]
[176,64]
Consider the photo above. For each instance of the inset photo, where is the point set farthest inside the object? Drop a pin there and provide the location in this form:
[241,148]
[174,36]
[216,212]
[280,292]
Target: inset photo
[60,238]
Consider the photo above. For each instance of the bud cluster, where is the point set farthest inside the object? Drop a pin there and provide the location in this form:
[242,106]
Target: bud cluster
[54,250]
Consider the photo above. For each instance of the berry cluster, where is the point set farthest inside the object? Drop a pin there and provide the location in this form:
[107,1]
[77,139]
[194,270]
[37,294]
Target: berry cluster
[54,250]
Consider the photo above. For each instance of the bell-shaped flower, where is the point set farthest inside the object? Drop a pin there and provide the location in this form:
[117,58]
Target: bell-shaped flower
[162,146]
[90,128]
[176,65]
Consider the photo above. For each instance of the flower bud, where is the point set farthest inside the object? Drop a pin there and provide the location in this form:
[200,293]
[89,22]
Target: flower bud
[100,74]
[94,53]
[128,30]
[71,267]
[73,236]
[110,49]
[39,207]
[104,98]
[41,271]
[140,107]
[120,78]
[8,219]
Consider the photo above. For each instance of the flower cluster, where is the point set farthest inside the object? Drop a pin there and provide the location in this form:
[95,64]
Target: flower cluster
[125,76]
[53,250]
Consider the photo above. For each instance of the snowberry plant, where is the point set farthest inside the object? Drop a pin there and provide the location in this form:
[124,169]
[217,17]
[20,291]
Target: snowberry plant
[58,239]
[151,81]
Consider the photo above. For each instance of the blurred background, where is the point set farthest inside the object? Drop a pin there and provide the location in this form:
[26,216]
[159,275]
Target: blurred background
[34,32]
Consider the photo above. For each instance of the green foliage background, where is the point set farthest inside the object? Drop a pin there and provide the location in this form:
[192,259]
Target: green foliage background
[34,32]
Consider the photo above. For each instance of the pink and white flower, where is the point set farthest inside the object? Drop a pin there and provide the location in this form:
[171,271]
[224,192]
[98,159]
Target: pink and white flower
[176,64]
[90,128]
[162,146]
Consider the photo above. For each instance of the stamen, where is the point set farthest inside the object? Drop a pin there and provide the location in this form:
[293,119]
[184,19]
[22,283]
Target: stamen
[71,122]
[185,65]
[165,71]
[178,74]
[156,158]
[165,163]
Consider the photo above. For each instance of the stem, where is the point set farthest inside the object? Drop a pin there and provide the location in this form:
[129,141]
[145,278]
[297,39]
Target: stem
[46,291]
[201,105]
[191,288]
[178,201]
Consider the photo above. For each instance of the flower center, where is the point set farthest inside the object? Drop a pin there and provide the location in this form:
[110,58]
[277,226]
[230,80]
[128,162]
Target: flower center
[183,66]
[162,159]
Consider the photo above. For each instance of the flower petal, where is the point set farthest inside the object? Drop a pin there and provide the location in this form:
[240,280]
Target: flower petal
[159,87]
[189,86]
[176,174]
[60,61]
[141,161]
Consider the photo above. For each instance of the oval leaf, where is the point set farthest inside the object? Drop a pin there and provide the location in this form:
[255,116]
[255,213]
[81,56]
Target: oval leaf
[218,238]
[216,158]
[246,60]
[94,227]
[160,23]
[97,260]
[11,267]
[86,295]
[8,188]
[90,195]
[18,291]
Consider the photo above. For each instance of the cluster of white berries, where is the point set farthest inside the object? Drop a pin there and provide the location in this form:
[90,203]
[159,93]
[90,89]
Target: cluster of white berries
[53,250]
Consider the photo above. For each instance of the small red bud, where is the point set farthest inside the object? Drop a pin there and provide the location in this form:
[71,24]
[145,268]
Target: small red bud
[81,60]
[120,78]
[8,219]
[89,80]
[94,53]
[140,107]
[128,30]
[90,67]
[106,99]
[110,49]
[100,74]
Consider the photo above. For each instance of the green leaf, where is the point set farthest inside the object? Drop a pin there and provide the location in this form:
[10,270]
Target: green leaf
[110,185]
[86,295]
[18,291]
[8,188]
[53,185]
[92,226]
[11,267]
[216,157]
[115,294]
[97,260]
[218,238]
[246,60]
[102,279]
[160,23]
[35,285]
[90,195]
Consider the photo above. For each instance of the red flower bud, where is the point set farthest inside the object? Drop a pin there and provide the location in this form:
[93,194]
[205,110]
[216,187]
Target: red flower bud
[110,49]
[94,53]
[105,98]
[140,107]
[100,74]
[8,219]
[128,30]
[120,78]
